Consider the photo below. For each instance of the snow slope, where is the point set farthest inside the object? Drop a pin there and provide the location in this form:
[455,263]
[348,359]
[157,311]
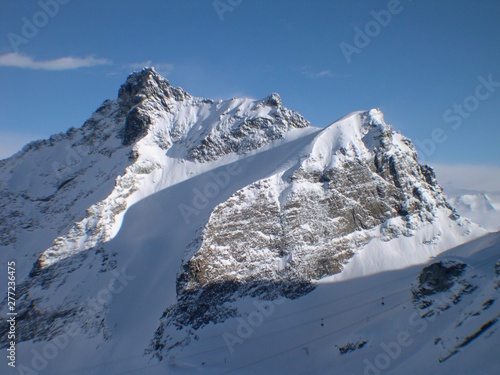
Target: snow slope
[342,327]
[320,332]
[479,208]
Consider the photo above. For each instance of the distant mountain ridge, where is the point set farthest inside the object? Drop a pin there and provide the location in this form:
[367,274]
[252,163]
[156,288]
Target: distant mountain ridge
[479,208]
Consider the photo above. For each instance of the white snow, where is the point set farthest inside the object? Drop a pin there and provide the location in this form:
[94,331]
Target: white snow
[479,208]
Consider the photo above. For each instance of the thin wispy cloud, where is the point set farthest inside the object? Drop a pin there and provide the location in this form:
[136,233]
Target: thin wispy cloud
[327,73]
[232,94]
[314,75]
[164,69]
[17,60]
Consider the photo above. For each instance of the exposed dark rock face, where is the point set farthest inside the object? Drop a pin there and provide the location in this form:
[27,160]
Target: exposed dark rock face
[304,227]
[213,304]
[142,94]
[439,277]
[352,346]
[38,320]
[242,135]
[136,125]
[149,84]
[146,93]
[441,285]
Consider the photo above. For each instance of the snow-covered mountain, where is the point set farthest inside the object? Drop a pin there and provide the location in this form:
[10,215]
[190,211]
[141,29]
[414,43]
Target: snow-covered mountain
[479,208]
[159,229]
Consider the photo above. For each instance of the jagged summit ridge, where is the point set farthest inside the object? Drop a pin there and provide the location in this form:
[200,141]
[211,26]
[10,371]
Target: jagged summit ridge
[147,83]
[274,99]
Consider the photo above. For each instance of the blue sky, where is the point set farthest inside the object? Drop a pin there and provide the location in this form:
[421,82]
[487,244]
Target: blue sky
[429,57]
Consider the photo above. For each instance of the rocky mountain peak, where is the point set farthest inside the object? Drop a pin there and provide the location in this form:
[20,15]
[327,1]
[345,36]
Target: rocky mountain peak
[142,94]
[274,100]
[147,84]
